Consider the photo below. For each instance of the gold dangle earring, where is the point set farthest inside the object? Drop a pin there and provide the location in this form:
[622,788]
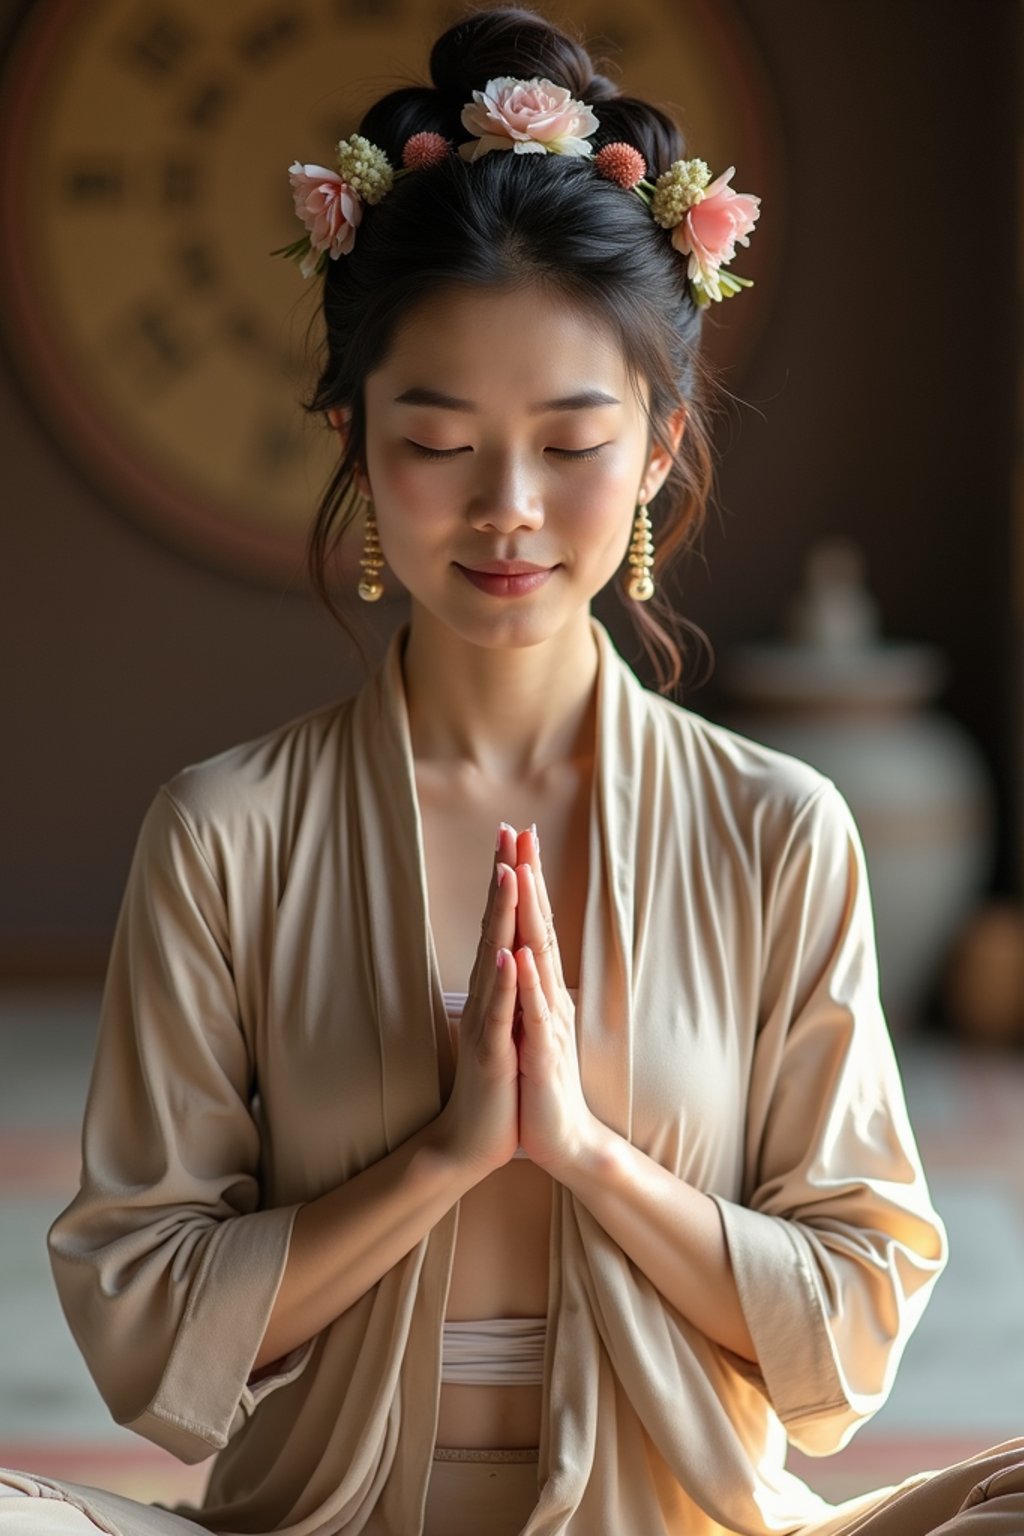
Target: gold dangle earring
[640,585]
[372,562]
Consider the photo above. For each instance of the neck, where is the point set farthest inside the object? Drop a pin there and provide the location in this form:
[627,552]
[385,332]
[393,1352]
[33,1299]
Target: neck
[509,712]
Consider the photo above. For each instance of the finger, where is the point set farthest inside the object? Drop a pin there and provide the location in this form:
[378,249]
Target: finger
[536,1012]
[542,889]
[505,846]
[498,923]
[528,852]
[500,1010]
[536,919]
[545,904]
[528,846]
[537,931]
[496,934]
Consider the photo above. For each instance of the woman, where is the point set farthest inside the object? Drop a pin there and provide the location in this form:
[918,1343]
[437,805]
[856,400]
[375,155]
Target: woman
[578,1250]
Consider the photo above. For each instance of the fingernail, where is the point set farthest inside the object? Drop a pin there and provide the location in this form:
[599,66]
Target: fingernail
[499,875]
[497,840]
[536,837]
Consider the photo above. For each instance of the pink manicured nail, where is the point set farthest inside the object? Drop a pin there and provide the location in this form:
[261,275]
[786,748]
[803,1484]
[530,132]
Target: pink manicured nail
[499,959]
[499,874]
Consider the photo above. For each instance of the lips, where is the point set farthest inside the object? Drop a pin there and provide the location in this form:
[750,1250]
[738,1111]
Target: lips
[508,581]
[506,568]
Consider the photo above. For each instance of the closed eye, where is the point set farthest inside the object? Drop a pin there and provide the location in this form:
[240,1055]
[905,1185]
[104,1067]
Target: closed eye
[449,453]
[434,453]
[579,453]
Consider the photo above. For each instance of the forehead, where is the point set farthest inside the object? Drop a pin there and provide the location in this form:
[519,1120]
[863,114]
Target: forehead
[526,338]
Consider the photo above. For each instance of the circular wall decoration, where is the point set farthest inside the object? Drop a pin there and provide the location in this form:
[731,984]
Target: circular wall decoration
[144,185]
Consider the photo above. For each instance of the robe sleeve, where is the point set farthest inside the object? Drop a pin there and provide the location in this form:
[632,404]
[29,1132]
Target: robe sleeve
[165,1264]
[835,1246]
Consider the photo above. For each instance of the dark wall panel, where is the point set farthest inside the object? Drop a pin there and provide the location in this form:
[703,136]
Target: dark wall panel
[878,404]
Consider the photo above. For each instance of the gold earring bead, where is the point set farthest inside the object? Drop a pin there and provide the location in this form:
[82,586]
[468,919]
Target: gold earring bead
[372,562]
[640,585]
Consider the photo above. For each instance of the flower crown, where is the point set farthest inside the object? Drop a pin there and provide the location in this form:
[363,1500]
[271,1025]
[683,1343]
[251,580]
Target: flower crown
[530,117]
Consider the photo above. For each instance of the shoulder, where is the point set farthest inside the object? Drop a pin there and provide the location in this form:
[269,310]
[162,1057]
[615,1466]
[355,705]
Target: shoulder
[732,775]
[256,791]
[720,794]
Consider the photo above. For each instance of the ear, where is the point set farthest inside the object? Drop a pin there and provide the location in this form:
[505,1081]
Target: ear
[340,417]
[659,460]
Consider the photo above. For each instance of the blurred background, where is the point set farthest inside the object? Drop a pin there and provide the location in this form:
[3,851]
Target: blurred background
[860,577]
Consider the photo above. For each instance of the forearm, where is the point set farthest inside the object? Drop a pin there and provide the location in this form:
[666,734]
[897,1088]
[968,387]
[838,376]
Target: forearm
[344,1241]
[670,1230]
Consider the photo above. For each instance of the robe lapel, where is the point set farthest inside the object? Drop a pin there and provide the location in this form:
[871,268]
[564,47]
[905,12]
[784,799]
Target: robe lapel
[576,1387]
[417,1060]
[604,1018]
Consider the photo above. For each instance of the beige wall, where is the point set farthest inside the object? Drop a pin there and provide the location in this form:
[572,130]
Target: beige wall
[883,394]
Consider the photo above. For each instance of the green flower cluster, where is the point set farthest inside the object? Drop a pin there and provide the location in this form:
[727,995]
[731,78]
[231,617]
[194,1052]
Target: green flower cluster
[677,189]
[365,168]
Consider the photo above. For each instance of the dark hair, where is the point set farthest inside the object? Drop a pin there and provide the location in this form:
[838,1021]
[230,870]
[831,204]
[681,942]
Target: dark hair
[505,221]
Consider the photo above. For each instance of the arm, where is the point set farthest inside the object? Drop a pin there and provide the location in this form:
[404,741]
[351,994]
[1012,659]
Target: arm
[343,1242]
[671,1231]
[835,1244]
[182,1290]
[346,1240]
[164,1261]
[815,1279]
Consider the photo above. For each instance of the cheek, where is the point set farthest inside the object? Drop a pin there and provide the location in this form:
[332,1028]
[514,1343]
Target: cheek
[614,479]
[602,501]
[406,484]
[410,501]
[414,517]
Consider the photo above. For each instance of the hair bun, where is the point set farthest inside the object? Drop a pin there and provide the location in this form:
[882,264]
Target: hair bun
[601,89]
[510,40]
[644,125]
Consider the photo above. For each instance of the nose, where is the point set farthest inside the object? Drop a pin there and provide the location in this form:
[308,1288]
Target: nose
[506,496]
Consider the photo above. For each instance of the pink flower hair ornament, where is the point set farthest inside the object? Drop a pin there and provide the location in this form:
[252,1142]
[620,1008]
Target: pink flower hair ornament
[330,203]
[532,117]
[706,217]
[529,117]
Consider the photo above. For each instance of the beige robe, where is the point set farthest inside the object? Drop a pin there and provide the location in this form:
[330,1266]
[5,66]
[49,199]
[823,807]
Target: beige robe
[273,1022]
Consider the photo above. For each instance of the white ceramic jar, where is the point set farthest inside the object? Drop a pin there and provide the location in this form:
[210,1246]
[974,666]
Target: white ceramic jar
[858,709]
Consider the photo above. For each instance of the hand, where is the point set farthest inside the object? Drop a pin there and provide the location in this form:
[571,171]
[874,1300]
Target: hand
[479,1124]
[555,1124]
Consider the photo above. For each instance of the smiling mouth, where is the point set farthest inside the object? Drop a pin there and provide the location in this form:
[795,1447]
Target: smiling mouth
[507,568]
[507,583]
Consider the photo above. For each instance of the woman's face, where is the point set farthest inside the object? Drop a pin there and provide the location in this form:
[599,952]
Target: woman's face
[503,428]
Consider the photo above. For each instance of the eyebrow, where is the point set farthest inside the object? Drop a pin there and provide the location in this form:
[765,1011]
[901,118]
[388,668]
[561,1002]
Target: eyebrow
[584,399]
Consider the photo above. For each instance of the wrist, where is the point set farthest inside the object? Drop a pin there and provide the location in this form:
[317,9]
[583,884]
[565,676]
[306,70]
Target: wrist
[589,1159]
[442,1149]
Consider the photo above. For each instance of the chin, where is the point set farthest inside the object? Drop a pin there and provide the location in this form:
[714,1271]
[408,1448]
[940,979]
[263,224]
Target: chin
[514,624]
